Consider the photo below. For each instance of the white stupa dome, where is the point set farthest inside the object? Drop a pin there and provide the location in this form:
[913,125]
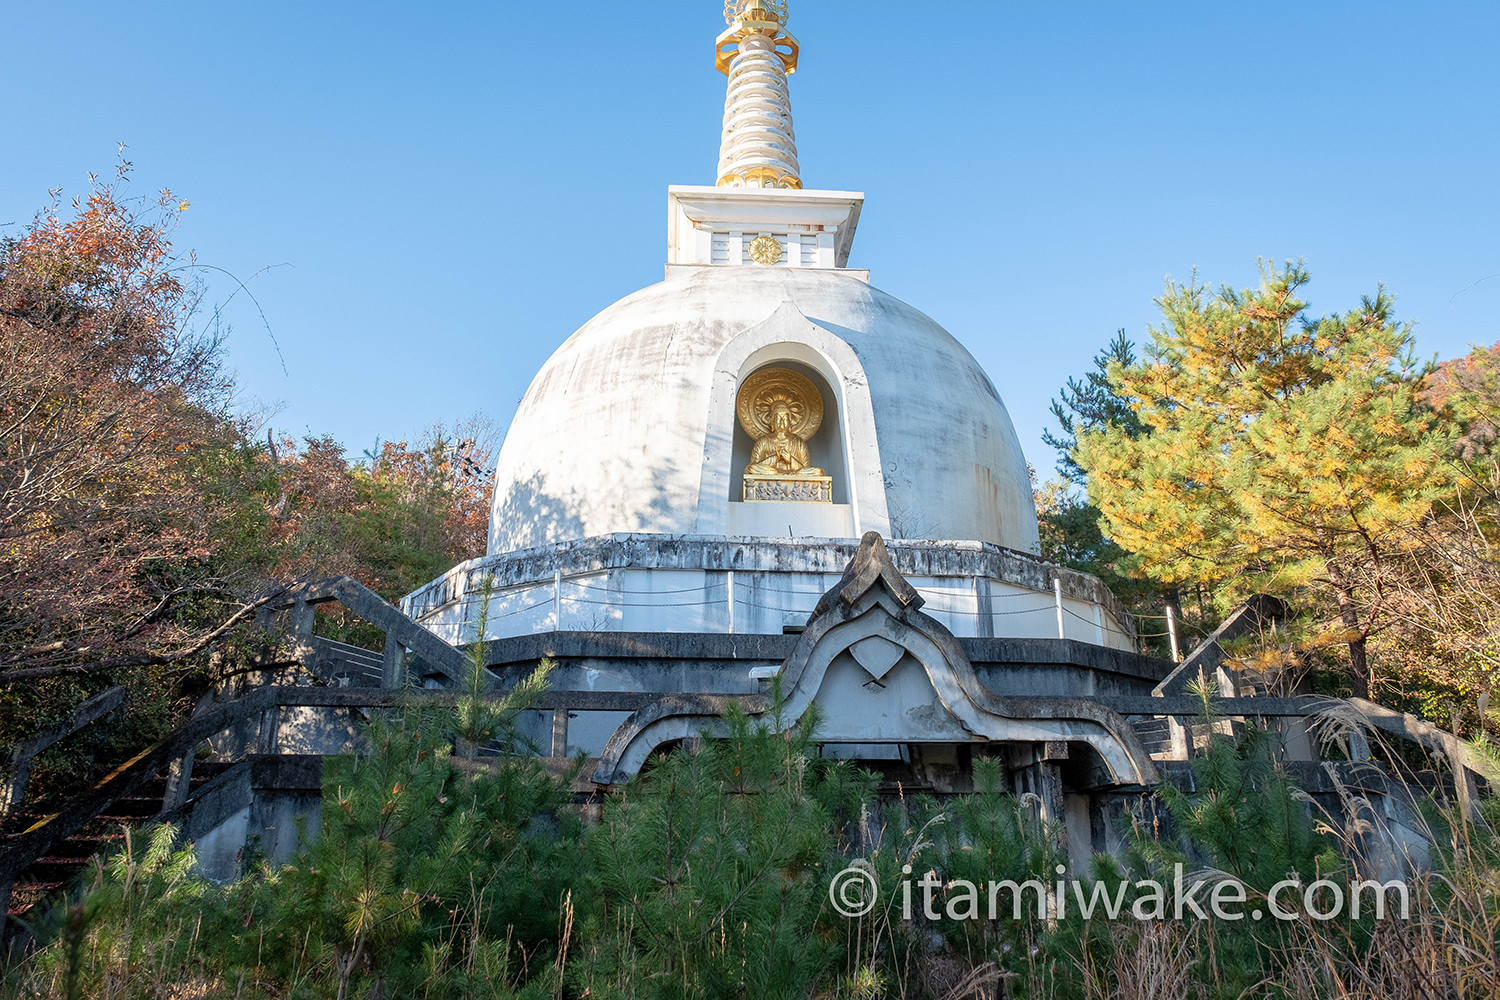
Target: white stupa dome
[704,456]
[630,426]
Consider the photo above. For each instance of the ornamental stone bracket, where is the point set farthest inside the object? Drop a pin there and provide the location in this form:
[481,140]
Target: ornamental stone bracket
[881,671]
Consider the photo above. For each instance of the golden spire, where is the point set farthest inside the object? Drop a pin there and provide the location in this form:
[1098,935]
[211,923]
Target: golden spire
[756,52]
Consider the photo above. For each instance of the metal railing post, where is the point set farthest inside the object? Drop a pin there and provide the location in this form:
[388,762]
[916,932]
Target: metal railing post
[1172,634]
[1057,593]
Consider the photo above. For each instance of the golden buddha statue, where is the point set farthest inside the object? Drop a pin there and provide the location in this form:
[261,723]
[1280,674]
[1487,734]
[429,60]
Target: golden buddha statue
[780,452]
[780,409]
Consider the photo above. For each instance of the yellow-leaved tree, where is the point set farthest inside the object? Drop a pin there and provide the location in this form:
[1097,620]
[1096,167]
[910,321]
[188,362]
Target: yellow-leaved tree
[1284,451]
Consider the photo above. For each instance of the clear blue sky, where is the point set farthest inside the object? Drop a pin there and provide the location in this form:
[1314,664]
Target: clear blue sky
[456,187]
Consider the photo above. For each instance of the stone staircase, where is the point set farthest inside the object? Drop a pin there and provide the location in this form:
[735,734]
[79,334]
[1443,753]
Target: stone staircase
[1155,734]
[341,665]
[66,859]
[42,853]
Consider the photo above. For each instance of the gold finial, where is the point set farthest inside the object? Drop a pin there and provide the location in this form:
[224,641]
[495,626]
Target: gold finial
[756,52]
[755,17]
[755,10]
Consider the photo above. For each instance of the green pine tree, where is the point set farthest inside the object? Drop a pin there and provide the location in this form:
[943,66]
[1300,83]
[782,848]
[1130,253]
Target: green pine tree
[1090,404]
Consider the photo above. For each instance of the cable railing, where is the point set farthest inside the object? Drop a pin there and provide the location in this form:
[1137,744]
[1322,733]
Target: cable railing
[750,604]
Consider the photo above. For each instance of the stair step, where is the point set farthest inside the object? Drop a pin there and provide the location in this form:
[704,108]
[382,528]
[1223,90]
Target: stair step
[206,769]
[49,870]
[132,809]
[25,896]
[77,848]
[1155,734]
[70,856]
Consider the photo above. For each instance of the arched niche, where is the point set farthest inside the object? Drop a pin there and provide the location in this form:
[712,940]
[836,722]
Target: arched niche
[787,339]
[825,447]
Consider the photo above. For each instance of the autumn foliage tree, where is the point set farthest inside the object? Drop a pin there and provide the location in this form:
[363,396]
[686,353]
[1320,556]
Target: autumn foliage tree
[109,396]
[1284,451]
[394,518]
[1442,586]
[142,520]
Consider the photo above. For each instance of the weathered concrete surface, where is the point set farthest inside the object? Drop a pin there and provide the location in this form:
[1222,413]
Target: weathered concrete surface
[401,632]
[708,663]
[613,433]
[215,822]
[881,671]
[663,583]
[220,850]
[288,808]
[303,730]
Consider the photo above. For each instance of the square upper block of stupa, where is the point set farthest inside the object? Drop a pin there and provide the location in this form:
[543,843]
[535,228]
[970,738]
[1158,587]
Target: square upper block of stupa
[718,225]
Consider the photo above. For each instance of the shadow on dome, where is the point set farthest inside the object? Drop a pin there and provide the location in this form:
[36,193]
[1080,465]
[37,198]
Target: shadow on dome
[531,515]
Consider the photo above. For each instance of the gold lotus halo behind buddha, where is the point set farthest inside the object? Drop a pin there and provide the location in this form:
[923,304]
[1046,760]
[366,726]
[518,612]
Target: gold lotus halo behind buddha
[762,391]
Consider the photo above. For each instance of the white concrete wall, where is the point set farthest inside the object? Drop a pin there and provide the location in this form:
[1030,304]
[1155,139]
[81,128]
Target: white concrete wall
[791,520]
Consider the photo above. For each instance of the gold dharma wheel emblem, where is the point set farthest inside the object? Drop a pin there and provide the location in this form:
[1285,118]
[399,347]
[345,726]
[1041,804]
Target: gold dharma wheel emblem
[765,250]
